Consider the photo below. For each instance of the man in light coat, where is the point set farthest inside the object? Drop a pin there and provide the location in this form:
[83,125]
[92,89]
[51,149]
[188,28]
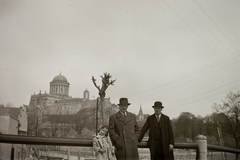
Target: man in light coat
[161,139]
[124,132]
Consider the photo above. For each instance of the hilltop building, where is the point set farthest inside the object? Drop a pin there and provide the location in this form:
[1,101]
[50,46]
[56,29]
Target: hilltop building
[56,112]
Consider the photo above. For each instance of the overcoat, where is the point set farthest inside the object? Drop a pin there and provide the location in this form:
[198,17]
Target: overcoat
[124,133]
[166,131]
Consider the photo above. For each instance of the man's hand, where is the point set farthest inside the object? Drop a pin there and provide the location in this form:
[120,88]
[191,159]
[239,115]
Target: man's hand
[170,147]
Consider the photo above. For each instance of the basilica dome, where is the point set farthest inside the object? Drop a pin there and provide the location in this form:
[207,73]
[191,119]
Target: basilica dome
[59,86]
[59,78]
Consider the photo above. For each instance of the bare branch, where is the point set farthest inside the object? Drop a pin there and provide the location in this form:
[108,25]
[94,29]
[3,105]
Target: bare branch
[105,83]
[94,82]
[112,82]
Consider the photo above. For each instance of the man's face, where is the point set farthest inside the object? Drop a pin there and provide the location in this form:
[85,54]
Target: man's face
[158,110]
[123,107]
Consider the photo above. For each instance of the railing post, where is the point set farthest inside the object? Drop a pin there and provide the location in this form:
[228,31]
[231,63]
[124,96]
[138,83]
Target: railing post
[68,153]
[78,154]
[202,145]
[12,153]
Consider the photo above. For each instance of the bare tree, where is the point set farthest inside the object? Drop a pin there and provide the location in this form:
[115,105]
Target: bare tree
[231,108]
[102,91]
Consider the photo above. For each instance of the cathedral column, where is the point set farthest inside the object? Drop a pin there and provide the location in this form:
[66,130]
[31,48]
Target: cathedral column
[59,89]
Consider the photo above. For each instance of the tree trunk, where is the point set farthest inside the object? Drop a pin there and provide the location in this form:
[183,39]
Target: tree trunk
[237,147]
[103,110]
[236,135]
[237,140]
[97,116]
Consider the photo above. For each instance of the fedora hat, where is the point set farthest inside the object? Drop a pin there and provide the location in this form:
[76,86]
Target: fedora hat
[158,104]
[123,101]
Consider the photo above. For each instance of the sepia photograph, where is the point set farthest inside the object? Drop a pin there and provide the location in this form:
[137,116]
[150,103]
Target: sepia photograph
[119,80]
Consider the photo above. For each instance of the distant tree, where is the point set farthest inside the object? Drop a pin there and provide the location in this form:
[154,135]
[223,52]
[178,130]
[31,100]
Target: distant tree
[32,121]
[199,124]
[86,133]
[230,111]
[185,125]
[71,133]
[210,128]
[174,127]
[85,118]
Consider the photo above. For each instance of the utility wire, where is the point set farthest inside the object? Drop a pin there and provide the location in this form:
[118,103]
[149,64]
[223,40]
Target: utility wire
[205,27]
[223,20]
[165,85]
[189,75]
[202,98]
[212,21]
[200,37]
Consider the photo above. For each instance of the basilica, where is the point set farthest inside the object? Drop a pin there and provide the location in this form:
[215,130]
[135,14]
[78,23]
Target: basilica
[57,114]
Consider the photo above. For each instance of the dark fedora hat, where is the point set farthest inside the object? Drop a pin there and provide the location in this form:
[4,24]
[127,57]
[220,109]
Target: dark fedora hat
[158,104]
[123,101]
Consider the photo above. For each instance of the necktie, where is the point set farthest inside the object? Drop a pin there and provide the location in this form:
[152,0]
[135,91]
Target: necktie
[158,117]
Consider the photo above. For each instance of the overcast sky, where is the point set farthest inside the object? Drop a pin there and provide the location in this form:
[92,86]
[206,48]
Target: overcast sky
[184,53]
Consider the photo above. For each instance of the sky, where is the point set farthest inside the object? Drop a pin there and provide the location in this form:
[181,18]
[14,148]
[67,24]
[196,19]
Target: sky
[184,53]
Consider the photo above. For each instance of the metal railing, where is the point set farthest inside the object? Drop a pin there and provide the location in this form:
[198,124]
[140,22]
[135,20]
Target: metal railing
[222,149]
[83,142]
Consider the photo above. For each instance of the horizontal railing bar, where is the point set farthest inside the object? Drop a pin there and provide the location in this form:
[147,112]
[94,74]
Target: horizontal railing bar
[186,145]
[17,139]
[222,149]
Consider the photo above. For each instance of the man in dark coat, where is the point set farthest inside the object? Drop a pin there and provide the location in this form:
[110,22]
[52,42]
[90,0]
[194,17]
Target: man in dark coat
[124,132]
[161,138]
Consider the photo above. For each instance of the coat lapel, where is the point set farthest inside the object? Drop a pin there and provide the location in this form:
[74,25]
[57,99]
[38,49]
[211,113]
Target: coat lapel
[120,117]
[128,118]
[124,119]
[154,119]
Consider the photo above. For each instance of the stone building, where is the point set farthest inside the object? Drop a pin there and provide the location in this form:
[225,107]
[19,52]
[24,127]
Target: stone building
[13,121]
[55,113]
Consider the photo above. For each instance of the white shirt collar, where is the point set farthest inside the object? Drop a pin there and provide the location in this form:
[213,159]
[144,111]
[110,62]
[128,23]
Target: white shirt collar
[123,113]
